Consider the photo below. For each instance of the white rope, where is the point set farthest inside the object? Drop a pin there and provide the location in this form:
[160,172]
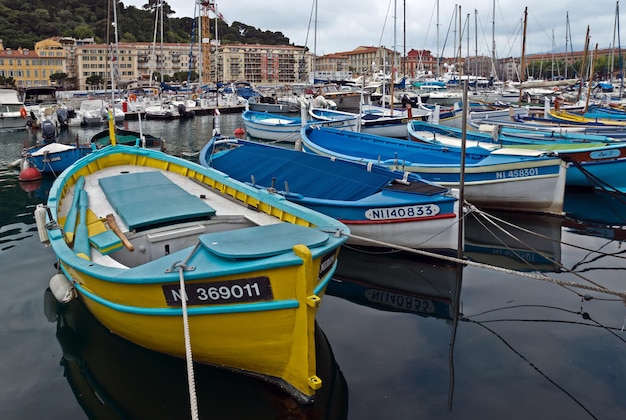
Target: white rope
[541,277]
[188,355]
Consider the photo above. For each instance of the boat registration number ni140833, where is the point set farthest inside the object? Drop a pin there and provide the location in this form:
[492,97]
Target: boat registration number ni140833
[404,212]
[232,291]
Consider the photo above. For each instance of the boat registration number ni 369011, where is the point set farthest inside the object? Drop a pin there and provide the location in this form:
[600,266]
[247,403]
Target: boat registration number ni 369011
[221,292]
[404,212]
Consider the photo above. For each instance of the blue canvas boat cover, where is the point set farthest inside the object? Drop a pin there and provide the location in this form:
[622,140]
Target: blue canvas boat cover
[150,199]
[309,175]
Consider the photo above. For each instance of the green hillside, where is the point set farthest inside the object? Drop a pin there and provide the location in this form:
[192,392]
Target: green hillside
[23,23]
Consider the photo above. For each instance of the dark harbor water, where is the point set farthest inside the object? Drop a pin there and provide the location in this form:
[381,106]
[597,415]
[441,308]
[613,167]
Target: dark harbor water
[400,336]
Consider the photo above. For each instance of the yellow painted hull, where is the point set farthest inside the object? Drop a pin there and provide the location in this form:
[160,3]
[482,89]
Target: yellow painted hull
[276,343]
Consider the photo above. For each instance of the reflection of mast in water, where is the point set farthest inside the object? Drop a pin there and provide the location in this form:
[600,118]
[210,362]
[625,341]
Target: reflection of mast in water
[456,305]
[402,282]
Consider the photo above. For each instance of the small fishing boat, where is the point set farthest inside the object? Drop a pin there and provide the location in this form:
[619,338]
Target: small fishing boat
[593,163]
[374,119]
[570,117]
[531,181]
[186,261]
[379,206]
[285,128]
[52,158]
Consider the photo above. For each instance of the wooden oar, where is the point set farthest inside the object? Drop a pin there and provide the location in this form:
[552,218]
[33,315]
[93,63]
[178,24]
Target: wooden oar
[81,241]
[70,221]
[115,228]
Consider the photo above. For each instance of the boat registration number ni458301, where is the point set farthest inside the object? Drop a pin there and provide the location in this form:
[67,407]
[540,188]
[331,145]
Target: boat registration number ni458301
[404,212]
[221,292]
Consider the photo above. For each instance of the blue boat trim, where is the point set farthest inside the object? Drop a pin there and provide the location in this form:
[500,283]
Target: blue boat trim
[205,310]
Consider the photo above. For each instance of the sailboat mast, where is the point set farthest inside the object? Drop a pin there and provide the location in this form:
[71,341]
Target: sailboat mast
[114,64]
[438,53]
[404,40]
[493,33]
[393,69]
[523,60]
[566,38]
[583,64]
[476,45]
[619,53]
[315,45]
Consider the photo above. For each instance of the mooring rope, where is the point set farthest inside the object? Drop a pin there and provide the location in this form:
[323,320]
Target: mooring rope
[188,354]
[467,262]
[489,218]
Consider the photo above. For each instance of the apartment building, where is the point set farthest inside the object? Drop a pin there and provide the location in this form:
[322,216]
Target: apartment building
[32,68]
[261,64]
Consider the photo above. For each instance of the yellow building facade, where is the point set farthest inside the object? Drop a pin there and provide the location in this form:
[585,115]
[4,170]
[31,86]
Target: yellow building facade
[32,68]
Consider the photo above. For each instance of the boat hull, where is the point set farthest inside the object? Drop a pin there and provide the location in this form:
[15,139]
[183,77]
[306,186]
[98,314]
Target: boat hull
[55,162]
[283,128]
[498,182]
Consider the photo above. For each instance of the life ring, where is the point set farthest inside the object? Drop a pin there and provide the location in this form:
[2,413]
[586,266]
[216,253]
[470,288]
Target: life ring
[132,97]
[23,112]
[194,97]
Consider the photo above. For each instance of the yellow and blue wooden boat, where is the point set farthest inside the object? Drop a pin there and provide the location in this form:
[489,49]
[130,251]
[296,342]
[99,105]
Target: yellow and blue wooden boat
[254,265]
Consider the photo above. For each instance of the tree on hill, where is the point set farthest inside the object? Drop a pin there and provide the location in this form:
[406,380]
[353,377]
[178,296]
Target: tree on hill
[22,24]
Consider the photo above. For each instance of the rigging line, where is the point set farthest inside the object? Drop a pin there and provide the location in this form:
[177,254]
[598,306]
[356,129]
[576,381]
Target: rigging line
[541,277]
[558,264]
[517,254]
[584,315]
[380,40]
[545,237]
[531,364]
[598,257]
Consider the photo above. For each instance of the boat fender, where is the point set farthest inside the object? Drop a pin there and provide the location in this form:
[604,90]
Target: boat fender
[15,164]
[28,172]
[61,288]
[23,112]
[40,219]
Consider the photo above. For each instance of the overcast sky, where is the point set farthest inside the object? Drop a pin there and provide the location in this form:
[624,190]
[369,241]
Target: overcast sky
[343,25]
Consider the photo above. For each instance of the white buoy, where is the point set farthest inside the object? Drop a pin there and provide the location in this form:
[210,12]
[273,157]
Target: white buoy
[61,288]
[15,164]
[40,219]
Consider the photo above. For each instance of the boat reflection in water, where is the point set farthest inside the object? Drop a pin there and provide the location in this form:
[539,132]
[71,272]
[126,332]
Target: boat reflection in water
[113,378]
[516,241]
[397,282]
[596,213]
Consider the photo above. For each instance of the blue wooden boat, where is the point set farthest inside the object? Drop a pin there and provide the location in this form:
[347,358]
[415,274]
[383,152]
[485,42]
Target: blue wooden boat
[602,112]
[52,158]
[522,118]
[378,205]
[285,128]
[186,261]
[592,164]
[373,119]
[530,181]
